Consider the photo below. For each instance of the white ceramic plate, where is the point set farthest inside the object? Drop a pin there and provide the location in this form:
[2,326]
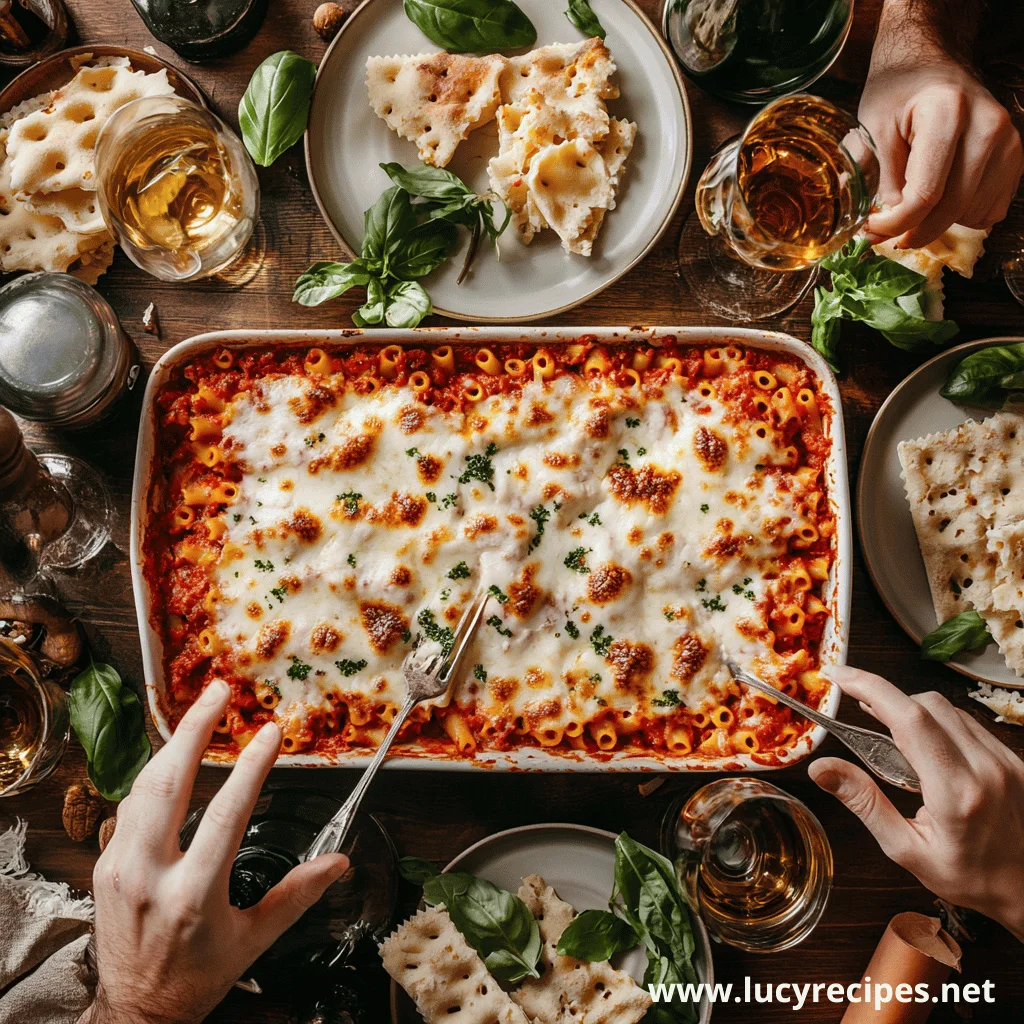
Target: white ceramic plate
[346,142]
[887,534]
[579,863]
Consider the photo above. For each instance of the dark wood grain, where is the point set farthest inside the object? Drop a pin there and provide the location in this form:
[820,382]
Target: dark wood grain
[435,815]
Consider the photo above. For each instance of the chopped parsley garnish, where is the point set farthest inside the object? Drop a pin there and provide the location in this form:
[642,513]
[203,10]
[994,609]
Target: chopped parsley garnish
[702,585]
[714,604]
[668,699]
[459,572]
[669,614]
[479,467]
[298,669]
[445,594]
[540,515]
[572,629]
[311,440]
[237,517]
[263,566]
[496,623]
[594,520]
[431,497]
[406,636]
[272,687]
[738,589]
[759,466]
[351,560]
[350,668]
[236,575]
[955,587]
[413,453]
[601,701]
[577,560]
[705,508]
[441,635]
[601,641]
[632,422]
[641,452]
[280,593]
[261,479]
[448,500]
[351,500]
[497,593]
[252,519]
[479,672]
[624,455]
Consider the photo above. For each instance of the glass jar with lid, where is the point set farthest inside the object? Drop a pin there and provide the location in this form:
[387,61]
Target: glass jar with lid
[64,358]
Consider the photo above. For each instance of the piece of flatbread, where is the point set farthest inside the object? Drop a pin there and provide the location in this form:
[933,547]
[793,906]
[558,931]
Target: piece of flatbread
[958,248]
[572,991]
[51,149]
[77,209]
[445,977]
[965,486]
[573,190]
[571,78]
[434,99]
[1006,542]
[1007,704]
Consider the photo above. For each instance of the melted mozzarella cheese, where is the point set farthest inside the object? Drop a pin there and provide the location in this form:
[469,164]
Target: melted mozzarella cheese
[624,537]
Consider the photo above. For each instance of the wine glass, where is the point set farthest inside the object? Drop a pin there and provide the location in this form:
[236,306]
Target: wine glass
[753,861]
[797,185]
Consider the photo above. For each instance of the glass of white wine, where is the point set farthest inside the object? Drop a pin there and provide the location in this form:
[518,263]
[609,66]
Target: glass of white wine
[796,186]
[176,186]
[753,861]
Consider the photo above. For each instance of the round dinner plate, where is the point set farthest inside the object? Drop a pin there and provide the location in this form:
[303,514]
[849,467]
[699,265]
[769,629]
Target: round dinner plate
[579,863]
[346,141]
[887,534]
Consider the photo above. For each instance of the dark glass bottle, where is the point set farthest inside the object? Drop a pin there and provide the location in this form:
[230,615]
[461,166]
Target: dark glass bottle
[203,29]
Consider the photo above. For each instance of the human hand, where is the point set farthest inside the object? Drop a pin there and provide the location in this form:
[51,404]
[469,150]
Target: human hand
[169,946]
[965,842]
[948,150]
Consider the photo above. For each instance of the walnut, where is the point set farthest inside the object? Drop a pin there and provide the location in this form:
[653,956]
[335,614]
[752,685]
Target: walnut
[328,18]
[83,808]
[107,832]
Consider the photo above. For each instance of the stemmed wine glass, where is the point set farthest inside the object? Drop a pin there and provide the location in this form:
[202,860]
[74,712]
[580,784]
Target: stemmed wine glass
[797,185]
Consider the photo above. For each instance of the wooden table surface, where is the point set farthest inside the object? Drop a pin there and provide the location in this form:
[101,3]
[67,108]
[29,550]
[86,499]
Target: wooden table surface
[435,815]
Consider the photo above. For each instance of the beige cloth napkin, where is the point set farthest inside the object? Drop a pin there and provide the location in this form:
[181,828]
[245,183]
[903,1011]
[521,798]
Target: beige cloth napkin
[44,932]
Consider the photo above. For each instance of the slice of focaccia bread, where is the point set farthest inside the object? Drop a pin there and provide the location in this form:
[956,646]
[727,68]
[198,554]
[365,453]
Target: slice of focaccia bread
[434,99]
[431,960]
[573,991]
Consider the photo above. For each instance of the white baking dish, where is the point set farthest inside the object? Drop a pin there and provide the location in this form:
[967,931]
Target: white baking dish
[837,592]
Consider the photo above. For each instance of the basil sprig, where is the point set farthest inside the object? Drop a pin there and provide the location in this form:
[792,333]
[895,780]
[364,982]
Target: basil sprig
[582,15]
[879,292]
[497,924]
[416,870]
[990,377]
[447,197]
[397,250]
[275,107]
[110,724]
[595,936]
[472,26]
[964,632]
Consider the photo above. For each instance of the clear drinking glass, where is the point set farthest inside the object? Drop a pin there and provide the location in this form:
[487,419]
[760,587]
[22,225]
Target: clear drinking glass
[34,722]
[753,51]
[176,187]
[797,185]
[753,861]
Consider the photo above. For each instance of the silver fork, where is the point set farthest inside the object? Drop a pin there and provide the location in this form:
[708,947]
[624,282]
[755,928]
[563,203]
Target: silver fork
[875,749]
[427,675]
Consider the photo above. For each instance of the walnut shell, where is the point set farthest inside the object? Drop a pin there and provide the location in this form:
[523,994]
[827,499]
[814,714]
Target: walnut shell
[83,808]
[107,832]
[328,18]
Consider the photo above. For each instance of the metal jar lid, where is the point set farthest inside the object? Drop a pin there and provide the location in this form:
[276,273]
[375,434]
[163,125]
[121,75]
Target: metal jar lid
[63,355]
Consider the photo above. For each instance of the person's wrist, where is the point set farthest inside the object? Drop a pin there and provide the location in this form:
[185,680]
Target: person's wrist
[102,1012]
[908,38]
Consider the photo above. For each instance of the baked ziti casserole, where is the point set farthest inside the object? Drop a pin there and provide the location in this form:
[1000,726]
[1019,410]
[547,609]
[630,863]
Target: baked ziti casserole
[637,514]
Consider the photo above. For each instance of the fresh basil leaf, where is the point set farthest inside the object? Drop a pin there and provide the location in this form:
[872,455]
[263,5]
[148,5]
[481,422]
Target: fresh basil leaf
[429,182]
[323,281]
[1013,381]
[371,312]
[110,724]
[497,924]
[386,224]
[964,632]
[416,870]
[977,378]
[662,970]
[407,304]
[825,318]
[581,14]
[596,935]
[472,26]
[275,106]
[424,250]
